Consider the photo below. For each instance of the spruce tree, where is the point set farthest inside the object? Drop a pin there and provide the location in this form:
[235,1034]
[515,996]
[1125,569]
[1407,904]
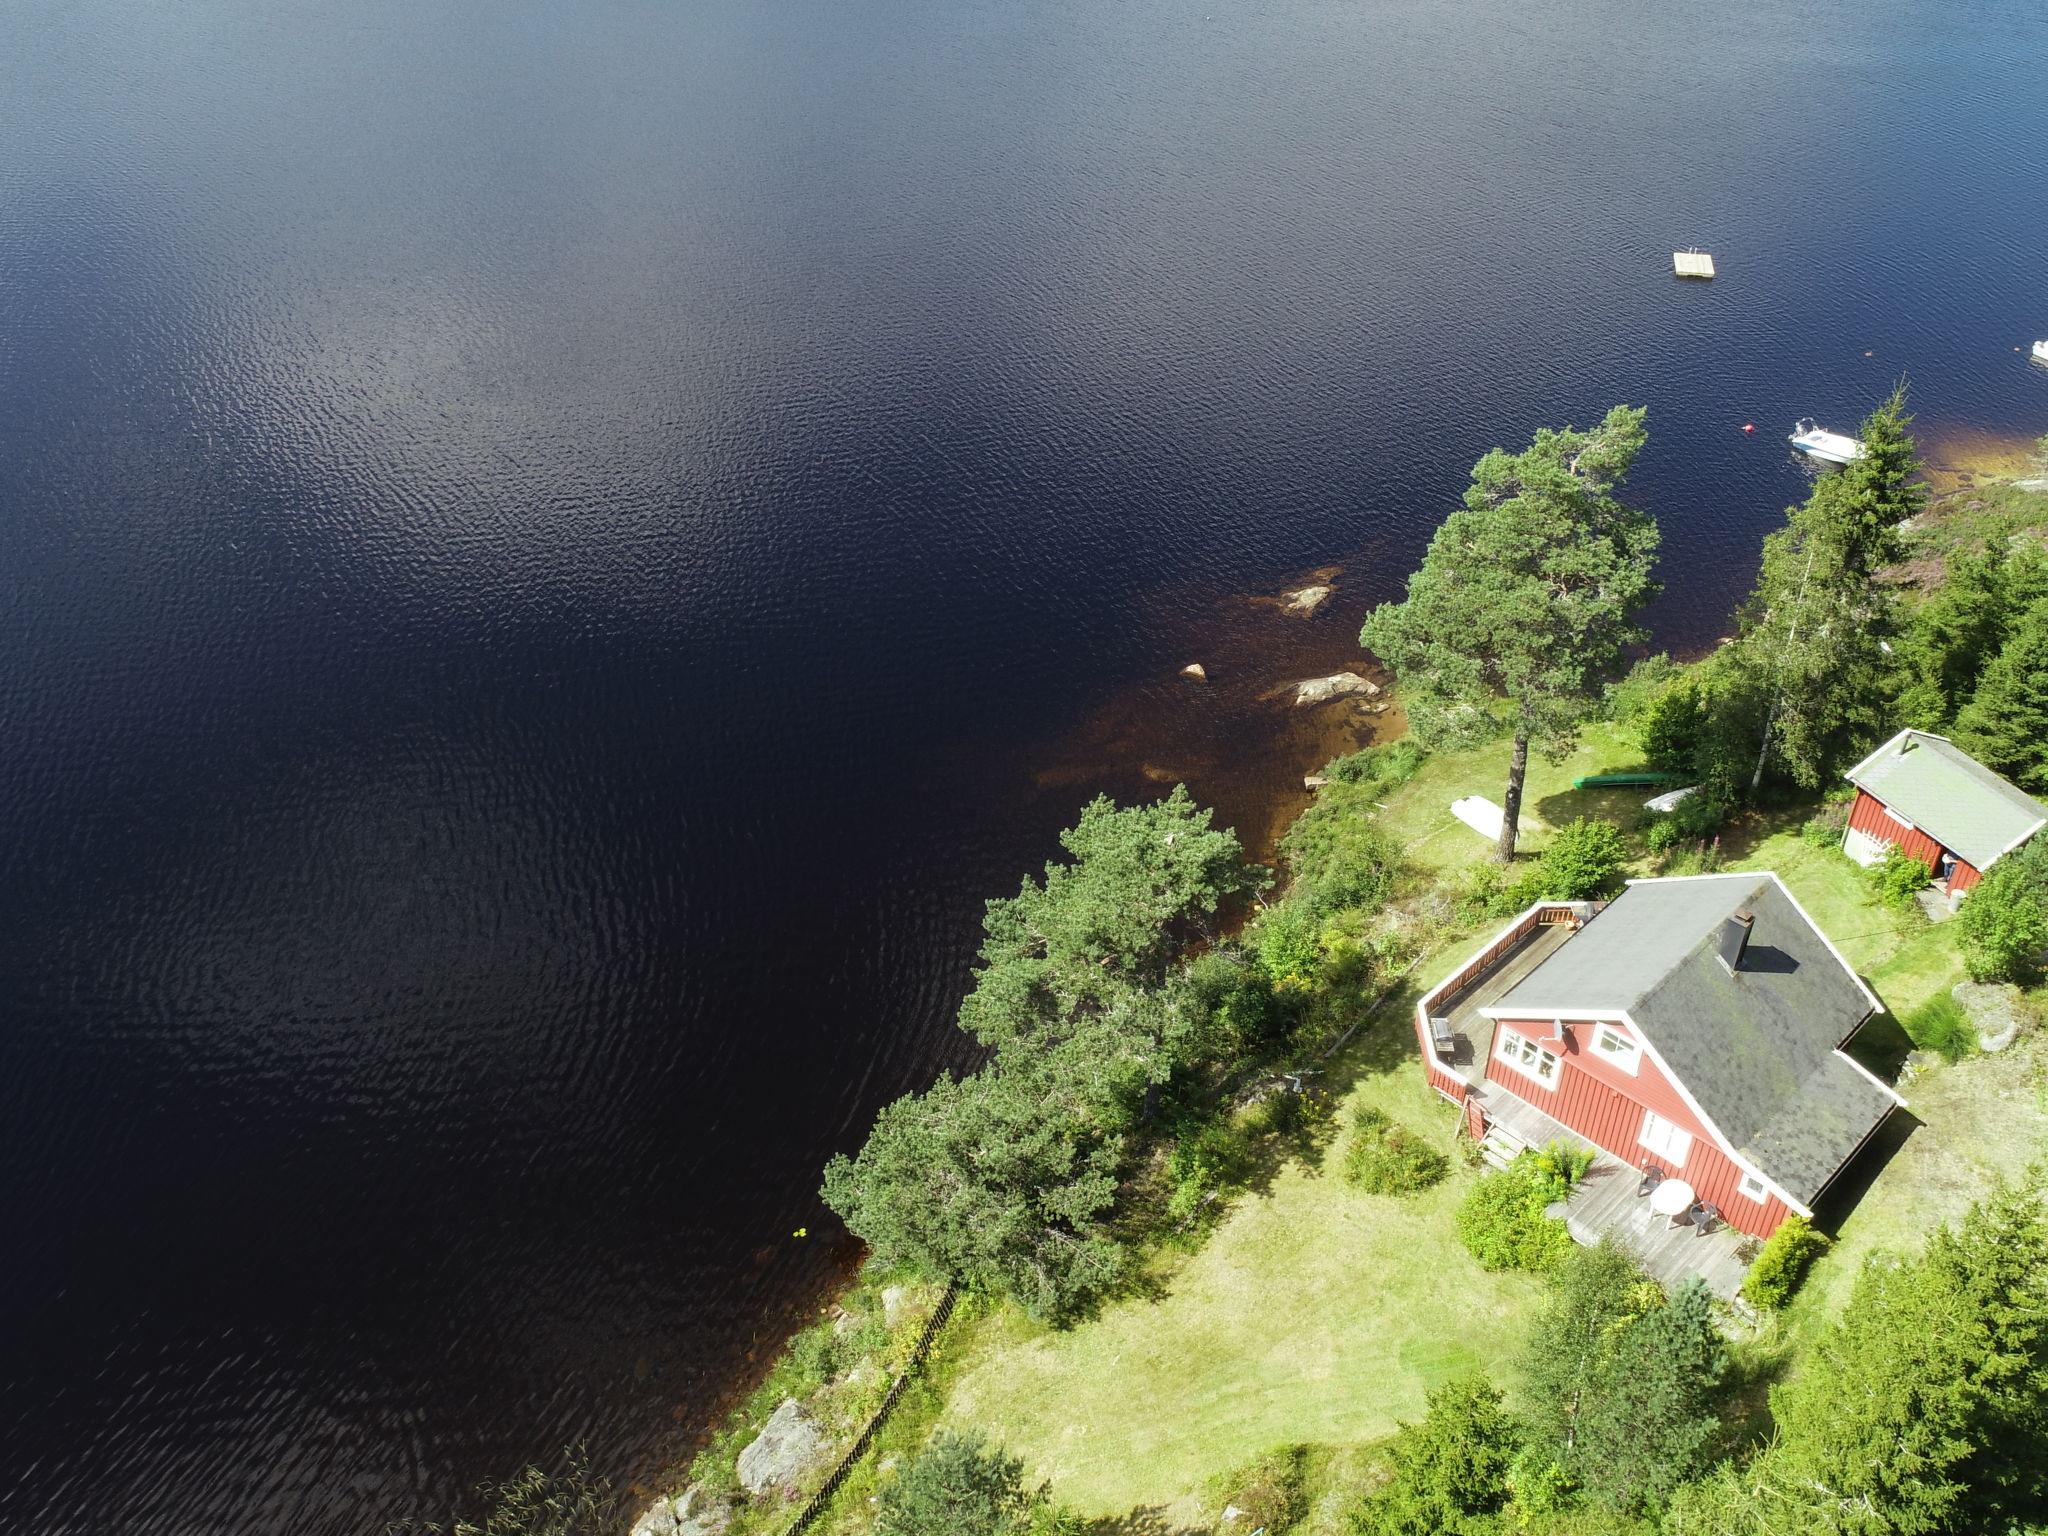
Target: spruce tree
[2005,724]
[1651,1412]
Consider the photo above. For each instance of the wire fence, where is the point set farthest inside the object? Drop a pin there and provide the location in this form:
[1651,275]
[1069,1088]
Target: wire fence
[823,1497]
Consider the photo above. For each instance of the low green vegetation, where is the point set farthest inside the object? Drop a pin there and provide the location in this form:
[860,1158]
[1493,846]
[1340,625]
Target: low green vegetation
[1896,879]
[1778,1270]
[1502,1221]
[957,1485]
[1384,1157]
[2003,926]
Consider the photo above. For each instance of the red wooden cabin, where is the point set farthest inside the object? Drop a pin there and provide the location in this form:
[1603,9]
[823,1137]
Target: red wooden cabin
[1693,1024]
[1923,794]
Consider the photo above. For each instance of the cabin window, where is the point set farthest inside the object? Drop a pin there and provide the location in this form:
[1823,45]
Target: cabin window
[1752,1188]
[1617,1048]
[1670,1142]
[1527,1057]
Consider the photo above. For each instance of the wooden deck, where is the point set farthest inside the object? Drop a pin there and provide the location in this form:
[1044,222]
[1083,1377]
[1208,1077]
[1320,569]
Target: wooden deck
[1605,1203]
[1474,1033]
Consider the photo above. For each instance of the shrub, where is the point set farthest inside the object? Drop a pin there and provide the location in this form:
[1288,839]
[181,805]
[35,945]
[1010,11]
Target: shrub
[1826,826]
[957,1486]
[1635,695]
[1939,1025]
[1671,728]
[1584,859]
[1783,1264]
[1502,1224]
[1379,768]
[2003,923]
[1563,1165]
[1337,856]
[1896,878]
[1450,1472]
[1270,1492]
[1204,1162]
[1287,938]
[1386,1158]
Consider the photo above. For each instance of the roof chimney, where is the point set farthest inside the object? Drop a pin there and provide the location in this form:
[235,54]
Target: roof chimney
[1735,939]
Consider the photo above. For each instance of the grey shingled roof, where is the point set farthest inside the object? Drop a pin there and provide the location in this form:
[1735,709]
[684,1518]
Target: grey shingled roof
[1756,1050]
[1949,795]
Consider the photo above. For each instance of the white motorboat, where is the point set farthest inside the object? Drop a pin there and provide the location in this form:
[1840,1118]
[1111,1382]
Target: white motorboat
[1819,443]
[2041,351]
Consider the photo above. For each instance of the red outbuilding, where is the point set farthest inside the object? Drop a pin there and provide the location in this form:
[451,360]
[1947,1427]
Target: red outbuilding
[1926,796]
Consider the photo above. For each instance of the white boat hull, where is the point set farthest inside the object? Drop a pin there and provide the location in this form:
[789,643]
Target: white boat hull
[1828,447]
[2041,351]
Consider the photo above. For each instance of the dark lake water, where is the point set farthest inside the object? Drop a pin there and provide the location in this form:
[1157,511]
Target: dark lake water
[551,556]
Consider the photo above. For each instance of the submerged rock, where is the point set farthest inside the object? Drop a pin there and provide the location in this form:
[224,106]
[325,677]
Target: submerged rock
[1338,685]
[1304,601]
[789,1445]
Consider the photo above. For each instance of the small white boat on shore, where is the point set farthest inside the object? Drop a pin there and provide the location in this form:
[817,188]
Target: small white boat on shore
[2041,351]
[1819,443]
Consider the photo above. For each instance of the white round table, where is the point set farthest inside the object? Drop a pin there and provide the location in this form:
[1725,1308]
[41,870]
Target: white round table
[1673,1197]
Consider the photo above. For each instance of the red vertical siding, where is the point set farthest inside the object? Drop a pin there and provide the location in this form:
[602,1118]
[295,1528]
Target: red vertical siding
[1606,1106]
[1868,816]
[1965,876]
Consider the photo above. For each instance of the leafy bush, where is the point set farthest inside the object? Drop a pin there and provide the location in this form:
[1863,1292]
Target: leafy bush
[1502,1224]
[1671,728]
[1336,854]
[2003,922]
[1632,698]
[1204,1162]
[1386,1158]
[1783,1264]
[1237,998]
[1939,1025]
[1381,768]
[1826,827]
[1896,878]
[1585,859]
[1271,1492]
[1287,939]
[957,1486]
[1563,1165]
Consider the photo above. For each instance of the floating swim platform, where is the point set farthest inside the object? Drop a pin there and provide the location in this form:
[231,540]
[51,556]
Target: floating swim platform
[1692,263]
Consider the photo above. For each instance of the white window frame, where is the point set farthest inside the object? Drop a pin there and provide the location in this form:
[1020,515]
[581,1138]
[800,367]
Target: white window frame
[1625,1054]
[1759,1194]
[1895,816]
[1527,1057]
[1668,1135]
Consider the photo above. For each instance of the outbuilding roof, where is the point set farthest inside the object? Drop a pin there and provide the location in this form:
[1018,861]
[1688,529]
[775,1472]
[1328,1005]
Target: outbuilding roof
[1950,796]
[1754,1047]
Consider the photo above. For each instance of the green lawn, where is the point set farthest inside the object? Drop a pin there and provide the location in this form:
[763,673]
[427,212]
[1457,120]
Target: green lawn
[1418,814]
[1314,1314]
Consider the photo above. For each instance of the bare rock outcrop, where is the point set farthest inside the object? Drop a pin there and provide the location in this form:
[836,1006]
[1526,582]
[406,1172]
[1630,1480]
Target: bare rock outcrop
[789,1445]
[1338,685]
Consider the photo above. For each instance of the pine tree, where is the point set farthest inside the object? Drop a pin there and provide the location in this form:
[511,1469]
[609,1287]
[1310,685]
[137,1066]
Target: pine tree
[2005,724]
[1527,598]
[958,1485]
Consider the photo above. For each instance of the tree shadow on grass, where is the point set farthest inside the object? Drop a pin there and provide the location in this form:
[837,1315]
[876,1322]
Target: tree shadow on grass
[1146,1520]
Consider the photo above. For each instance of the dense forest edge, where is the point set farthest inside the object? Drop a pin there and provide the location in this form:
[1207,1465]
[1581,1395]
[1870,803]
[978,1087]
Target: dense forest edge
[1198,1179]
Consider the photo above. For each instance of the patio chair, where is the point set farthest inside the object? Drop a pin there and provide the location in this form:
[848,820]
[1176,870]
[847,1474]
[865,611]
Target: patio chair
[1652,1177]
[1704,1215]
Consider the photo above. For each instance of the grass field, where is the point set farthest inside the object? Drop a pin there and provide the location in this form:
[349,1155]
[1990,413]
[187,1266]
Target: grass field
[1314,1314]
